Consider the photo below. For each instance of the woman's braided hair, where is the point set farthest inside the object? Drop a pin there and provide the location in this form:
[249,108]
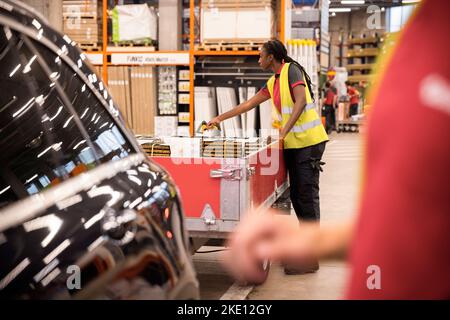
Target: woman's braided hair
[279,52]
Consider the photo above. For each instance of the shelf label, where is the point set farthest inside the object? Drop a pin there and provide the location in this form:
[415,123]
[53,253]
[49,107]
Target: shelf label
[150,58]
[95,58]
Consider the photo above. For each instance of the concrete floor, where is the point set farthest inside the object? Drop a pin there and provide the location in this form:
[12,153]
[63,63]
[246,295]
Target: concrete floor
[214,280]
[339,196]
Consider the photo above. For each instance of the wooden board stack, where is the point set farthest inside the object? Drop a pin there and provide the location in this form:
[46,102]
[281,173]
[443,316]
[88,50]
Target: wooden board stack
[251,147]
[156,149]
[143,82]
[119,86]
[134,91]
[221,148]
[82,23]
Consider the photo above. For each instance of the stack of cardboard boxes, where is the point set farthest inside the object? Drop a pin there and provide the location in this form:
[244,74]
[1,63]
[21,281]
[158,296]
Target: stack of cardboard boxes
[82,23]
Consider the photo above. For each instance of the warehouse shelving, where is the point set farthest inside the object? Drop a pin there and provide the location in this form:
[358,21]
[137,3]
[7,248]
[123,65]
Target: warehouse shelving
[361,66]
[135,56]
[361,54]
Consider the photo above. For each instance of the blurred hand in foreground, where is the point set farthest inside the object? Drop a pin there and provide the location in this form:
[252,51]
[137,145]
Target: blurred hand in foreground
[268,236]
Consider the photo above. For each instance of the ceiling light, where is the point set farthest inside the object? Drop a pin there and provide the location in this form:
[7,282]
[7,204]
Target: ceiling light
[410,1]
[340,9]
[352,1]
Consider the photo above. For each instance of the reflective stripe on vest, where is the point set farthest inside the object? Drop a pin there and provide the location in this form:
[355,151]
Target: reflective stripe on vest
[288,110]
[306,126]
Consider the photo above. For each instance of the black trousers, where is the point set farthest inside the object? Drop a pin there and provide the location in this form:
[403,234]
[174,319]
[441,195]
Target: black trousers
[353,109]
[330,118]
[304,166]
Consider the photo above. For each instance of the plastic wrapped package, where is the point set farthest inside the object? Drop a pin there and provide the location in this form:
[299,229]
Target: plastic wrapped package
[134,22]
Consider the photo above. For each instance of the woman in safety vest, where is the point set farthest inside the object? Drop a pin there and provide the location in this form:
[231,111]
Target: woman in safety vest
[301,129]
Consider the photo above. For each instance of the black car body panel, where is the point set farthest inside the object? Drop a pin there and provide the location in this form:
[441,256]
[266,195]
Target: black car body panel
[83,213]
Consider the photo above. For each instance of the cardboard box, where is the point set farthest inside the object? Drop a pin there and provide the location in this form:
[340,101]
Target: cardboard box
[236,24]
[183,117]
[183,86]
[183,98]
[184,75]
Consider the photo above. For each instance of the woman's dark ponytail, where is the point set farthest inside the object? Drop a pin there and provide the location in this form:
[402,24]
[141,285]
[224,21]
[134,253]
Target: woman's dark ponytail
[279,52]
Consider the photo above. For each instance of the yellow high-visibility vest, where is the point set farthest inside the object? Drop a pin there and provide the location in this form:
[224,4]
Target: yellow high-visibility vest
[308,130]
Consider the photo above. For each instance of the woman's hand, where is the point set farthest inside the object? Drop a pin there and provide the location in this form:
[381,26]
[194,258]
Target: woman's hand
[214,122]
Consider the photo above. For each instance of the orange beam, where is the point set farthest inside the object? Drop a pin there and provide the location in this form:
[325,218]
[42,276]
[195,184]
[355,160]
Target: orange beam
[155,52]
[226,53]
[191,65]
[148,64]
[105,41]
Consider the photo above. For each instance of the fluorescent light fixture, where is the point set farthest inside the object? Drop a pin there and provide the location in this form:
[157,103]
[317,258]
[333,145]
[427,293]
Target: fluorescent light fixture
[24,108]
[32,178]
[40,33]
[57,113]
[68,40]
[4,190]
[57,251]
[410,1]
[14,273]
[44,152]
[353,1]
[27,68]
[15,70]
[340,9]
[79,144]
[36,24]
[84,113]
[56,147]
[67,122]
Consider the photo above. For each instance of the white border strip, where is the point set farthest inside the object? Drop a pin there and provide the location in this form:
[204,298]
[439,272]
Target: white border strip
[237,292]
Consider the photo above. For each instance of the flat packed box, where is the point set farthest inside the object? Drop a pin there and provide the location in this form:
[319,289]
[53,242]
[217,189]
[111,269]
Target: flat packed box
[233,25]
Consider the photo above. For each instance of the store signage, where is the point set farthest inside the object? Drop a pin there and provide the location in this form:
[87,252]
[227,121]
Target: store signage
[95,58]
[175,58]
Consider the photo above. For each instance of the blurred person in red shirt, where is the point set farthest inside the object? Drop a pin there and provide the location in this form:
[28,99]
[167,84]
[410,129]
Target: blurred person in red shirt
[329,107]
[398,245]
[354,99]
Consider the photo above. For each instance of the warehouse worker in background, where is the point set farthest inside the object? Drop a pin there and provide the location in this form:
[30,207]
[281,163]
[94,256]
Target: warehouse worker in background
[353,94]
[329,107]
[301,131]
[399,245]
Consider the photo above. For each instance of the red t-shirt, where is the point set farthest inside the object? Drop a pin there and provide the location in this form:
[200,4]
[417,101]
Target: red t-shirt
[329,98]
[404,221]
[295,78]
[354,99]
